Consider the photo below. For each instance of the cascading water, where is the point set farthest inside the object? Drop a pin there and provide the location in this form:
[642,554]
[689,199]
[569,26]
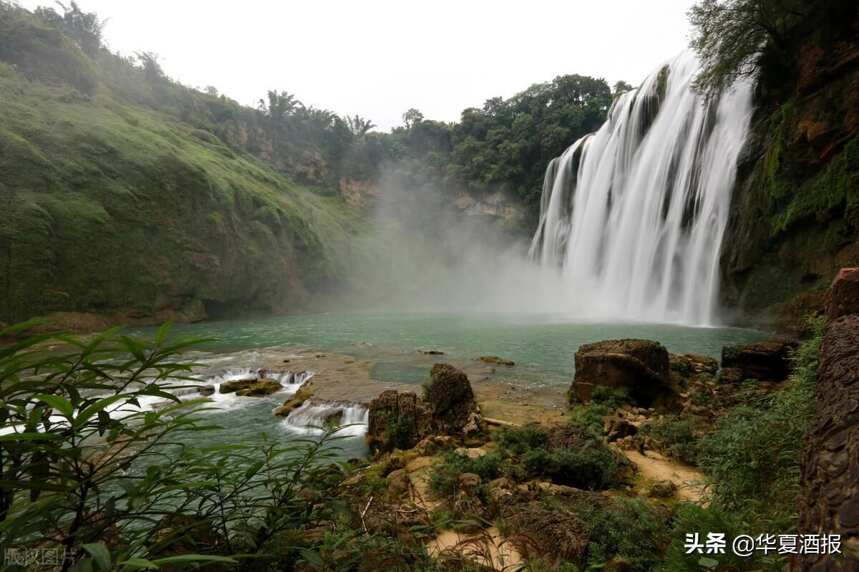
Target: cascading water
[314,415]
[634,214]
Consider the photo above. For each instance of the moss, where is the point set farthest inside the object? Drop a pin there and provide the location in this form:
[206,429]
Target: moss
[133,205]
[831,192]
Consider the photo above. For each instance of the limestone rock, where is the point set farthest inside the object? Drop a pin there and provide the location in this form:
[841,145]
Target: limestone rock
[843,296]
[397,420]
[639,367]
[829,497]
[450,399]
[259,388]
[495,360]
[399,483]
[206,389]
[303,394]
[402,420]
[236,384]
[765,361]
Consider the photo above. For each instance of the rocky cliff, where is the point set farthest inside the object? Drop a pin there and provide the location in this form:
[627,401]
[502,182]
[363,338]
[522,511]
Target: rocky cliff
[795,211]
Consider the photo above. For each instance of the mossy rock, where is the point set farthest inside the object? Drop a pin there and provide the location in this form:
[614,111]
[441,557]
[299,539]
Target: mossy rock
[260,388]
[303,394]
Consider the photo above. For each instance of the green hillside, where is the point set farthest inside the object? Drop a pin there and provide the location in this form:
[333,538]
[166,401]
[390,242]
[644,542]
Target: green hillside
[117,207]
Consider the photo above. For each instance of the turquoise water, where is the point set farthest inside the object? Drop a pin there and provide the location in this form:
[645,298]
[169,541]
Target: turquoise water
[539,344]
[543,348]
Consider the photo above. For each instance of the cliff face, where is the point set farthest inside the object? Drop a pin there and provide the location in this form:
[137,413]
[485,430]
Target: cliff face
[795,210]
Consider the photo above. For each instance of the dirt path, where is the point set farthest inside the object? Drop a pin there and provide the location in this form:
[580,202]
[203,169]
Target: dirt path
[655,467]
[486,548]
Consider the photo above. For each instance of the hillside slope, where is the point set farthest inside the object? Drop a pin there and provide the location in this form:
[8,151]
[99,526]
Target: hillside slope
[119,209]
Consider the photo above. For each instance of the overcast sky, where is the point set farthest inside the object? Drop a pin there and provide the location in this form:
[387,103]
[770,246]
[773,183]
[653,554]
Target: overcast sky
[379,58]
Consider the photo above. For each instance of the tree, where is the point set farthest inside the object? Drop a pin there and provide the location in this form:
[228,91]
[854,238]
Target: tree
[278,105]
[151,67]
[84,28]
[412,117]
[359,126]
[732,37]
[620,87]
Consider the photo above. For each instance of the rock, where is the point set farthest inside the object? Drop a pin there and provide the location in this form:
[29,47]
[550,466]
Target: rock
[303,394]
[617,428]
[397,420]
[829,495]
[402,420]
[468,482]
[693,365]
[662,490]
[333,419]
[431,352]
[764,361]
[236,384]
[399,483]
[495,360]
[260,388]
[206,390]
[639,367]
[843,296]
[434,444]
[450,399]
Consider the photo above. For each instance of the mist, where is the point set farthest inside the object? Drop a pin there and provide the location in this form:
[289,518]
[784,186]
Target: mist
[428,254]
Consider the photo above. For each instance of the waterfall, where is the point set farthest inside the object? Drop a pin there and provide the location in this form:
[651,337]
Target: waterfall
[633,216]
[314,415]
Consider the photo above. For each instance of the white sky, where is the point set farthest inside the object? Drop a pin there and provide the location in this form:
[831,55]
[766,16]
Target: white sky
[378,58]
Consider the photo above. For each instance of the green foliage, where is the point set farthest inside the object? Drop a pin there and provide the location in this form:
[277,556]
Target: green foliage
[676,436]
[625,530]
[753,454]
[82,459]
[832,192]
[691,519]
[42,52]
[444,478]
[733,37]
[589,464]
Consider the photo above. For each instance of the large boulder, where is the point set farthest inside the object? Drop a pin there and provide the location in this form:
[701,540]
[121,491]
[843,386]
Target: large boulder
[401,420]
[640,368]
[397,421]
[451,400]
[765,361]
[843,296]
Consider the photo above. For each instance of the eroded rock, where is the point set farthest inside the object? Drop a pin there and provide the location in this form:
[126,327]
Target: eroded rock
[259,388]
[764,361]
[843,296]
[640,368]
[829,498]
[401,420]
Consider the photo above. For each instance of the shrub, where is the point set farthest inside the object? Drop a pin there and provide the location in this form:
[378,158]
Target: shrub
[578,458]
[752,456]
[675,435]
[691,519]
[628,530]
[444,480]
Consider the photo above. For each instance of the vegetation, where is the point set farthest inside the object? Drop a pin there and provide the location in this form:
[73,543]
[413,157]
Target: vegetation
[753,454]
[736,38]
[675,435]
